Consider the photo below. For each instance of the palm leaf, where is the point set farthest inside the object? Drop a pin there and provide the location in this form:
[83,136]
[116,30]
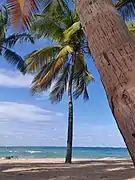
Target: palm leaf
[14,59]
[21,38]
[68,33]
[50,73]
[80,62]
[5,16]
[60,10]
[60,85]
[61,58]
[36,86]
[131,27]
[81,77]
[48,30]
[2,33]
[76,17]
[21,11]
[45,78]
[47,27]
[40,57]
[80,85]
[121,3]
[126,8]
[85,94]
[3,22]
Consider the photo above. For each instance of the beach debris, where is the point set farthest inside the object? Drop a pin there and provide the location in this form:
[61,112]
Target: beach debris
[11,157]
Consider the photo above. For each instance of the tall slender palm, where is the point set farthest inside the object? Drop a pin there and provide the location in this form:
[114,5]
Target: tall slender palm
[62,63]
[7,42]
[71,78]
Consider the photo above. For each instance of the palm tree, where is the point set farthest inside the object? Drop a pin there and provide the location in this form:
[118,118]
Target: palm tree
[71,78]
[7,42]
[62,63]
[112,47]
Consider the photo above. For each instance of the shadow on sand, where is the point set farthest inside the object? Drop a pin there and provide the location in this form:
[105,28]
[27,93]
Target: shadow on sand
[83,170]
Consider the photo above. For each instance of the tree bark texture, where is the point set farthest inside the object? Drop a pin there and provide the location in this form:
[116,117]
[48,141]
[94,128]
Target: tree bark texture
[113,49]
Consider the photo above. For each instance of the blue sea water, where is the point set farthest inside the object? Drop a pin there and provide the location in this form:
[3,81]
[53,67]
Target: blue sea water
[59,152]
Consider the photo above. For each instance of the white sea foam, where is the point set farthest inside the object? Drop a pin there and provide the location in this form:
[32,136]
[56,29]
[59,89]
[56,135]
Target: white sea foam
[32,152]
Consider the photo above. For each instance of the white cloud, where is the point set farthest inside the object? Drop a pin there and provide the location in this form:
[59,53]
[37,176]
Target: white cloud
[25,112]
[14,79]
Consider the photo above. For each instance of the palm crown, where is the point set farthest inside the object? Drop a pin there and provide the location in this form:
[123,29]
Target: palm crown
[54,63]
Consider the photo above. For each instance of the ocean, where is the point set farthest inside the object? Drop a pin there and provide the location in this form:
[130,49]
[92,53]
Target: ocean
[59,152]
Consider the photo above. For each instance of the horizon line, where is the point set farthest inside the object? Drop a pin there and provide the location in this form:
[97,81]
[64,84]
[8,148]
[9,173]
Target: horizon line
[64,146]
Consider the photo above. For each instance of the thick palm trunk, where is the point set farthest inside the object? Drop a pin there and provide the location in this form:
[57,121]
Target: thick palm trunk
[113,49]
[70,121]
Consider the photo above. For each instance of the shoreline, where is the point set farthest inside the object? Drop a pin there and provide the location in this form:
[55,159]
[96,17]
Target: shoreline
[58,160]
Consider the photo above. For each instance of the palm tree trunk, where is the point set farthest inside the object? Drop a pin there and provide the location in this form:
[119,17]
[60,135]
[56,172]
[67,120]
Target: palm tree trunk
[70,120]
[113,49]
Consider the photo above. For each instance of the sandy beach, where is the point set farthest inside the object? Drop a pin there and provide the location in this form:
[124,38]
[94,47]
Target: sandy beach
[55,169]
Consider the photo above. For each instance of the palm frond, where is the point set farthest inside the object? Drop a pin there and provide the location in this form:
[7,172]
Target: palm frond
[121,3]
[47,27]
[131,27]
[45,78]
[3,22]
[126,8]
[49,75]
[21,11]
[14,59]
[80,63]
[59,62]
[76,17]
[2,33]
[21,38]
[42,72]
[38,58]
[36,86]
[80,85]
[60,86]
[5,15]
[68,33]
[60,10]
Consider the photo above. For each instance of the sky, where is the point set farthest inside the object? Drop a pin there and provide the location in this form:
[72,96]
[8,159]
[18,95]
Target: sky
[27,120]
